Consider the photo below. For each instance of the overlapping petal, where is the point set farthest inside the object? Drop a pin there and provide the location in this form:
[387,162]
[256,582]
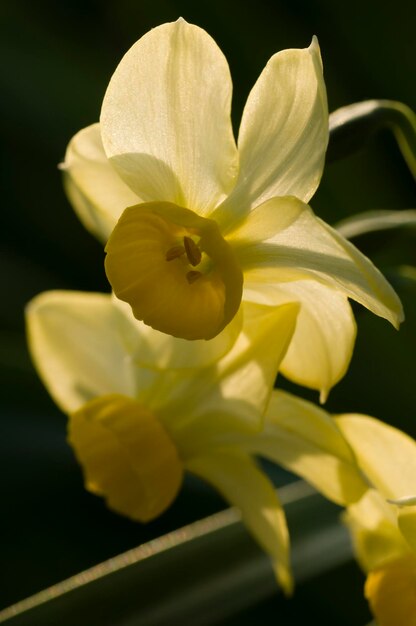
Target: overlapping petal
[88,344]
[236,392]
[299,245]
[373,525]
[96,191]
[305,440]
[325,320]
[242,484]
[388,458]
[165,119]
[386,454]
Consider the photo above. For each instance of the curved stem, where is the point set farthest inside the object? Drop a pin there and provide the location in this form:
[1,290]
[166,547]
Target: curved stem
[352,125]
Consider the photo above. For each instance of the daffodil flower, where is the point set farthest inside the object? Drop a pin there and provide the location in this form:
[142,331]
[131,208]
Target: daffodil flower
[384,533]
[136,427]
[196,222]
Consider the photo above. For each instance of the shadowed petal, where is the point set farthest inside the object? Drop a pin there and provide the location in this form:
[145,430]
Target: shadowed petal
[304,439]
[96,191]
[239,480]
[325,320]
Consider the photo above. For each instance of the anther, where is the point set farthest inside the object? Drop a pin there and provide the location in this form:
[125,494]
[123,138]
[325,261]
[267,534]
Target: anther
[192,251]
[175,253]
[192,276]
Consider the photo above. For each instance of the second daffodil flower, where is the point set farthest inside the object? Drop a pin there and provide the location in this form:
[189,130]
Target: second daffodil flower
[196,222]
[383,521]
[136,427]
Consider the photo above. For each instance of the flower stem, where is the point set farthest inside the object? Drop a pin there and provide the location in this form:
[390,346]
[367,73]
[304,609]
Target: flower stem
[352,125]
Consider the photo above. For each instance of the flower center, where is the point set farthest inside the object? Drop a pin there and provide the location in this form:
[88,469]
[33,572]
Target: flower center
[193,254]
[127,456]
[175,270]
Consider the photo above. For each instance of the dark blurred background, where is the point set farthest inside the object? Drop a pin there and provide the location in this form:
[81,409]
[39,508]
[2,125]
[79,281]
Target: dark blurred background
[56,60]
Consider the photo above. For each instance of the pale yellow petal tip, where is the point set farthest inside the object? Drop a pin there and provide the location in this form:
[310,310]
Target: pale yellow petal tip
[323,395]
[45,299]
[403,502]
[284,578]
[315,48]
[399,317]
[127,456]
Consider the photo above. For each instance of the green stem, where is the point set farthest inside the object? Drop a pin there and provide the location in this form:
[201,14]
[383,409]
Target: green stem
[352,125]
[209,568]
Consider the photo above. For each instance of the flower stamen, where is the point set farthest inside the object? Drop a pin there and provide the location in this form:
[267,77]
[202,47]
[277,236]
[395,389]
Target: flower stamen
[192,276]
[175,253]
[192,251]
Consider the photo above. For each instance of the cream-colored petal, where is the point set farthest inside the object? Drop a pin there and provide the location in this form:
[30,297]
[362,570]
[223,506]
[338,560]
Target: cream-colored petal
[95,190]
[323,342]
[86,345]
[76,346]
[239,480]
[406,518]
[373,526]
[240,384]
[282,240]
[166,118]
[283,134]
[305,440]
[386,455]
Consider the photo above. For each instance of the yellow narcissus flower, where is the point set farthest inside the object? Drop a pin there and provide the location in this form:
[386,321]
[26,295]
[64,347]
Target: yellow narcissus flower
[136,427]
[196,222]
[384,534]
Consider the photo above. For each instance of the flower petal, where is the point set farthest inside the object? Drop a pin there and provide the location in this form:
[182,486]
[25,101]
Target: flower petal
[406,518]
[305,440]
[391,592]
[239,480]
[373,526]
[282,240]
[325,320]
[127,456]
[75,342]
[86,345]
[237,390]
[385,454]
[166,118]
[284,132]
[153,349]
[95,190]
[167,286]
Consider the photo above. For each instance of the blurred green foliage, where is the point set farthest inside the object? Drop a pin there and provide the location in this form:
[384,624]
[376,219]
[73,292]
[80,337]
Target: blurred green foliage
[56,59]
